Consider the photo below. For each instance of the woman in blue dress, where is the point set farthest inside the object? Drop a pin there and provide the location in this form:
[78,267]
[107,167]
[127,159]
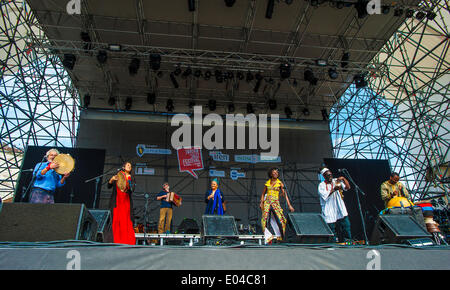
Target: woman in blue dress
[214,199]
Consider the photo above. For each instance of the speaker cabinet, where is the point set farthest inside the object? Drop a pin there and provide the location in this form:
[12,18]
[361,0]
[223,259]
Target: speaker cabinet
[309,228]
[219,226]
[26,222]
[188,226]
[395,229]
[104,221]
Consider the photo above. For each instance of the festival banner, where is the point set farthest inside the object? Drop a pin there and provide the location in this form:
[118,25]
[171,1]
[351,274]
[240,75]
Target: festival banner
[142,149]
[190,159]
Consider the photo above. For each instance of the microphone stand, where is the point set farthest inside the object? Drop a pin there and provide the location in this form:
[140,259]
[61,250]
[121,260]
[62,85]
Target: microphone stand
[358,191]
[97,183]
[147,196]
[33,178]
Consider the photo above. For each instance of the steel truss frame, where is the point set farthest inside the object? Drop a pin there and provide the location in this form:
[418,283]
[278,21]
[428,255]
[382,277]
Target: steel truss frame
[39,105]
[403,115]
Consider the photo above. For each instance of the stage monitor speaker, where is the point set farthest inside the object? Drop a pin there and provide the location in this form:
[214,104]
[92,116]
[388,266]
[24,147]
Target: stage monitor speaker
[223,226]
[104,229]
[26,222]
[310,228]
[395,229]
[188,226]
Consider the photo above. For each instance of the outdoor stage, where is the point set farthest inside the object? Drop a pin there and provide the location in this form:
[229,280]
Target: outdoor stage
[96,256]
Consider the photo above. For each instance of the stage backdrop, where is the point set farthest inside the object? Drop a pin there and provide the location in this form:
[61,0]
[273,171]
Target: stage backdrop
[89,163]
[145,140]
[368,175]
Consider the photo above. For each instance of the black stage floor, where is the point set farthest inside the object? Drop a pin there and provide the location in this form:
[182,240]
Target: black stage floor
[61,255]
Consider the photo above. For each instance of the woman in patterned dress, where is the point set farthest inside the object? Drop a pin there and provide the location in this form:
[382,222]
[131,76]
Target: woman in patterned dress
[272,213]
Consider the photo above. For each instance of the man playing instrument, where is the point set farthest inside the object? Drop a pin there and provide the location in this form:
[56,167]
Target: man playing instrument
[393,188]
[332,203]
[46,179]
[165,211]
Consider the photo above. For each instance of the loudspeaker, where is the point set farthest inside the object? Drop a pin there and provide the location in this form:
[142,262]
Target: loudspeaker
[26,222]
[394,229]
[188,226]
[104,229]
[309,228]
[219,226]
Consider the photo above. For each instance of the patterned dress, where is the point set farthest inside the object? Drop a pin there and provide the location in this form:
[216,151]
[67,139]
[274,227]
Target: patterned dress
[273,213]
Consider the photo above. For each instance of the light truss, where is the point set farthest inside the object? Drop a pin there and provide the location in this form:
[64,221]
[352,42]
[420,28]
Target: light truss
[403,114]
[38,102]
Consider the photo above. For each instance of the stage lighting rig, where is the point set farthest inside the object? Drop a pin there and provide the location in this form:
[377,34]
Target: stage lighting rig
[114,47]
[240,75]
[155,61]
[431,15]
[269,9]
[229,3]
[398,12]
[212,105]
[288,112]
[325,115]
[219,76]
[197,73]
[69,61]
[272,104]
[102,57]
[177,71]
[285,70]
[344,60]
[332,73]
[309,77]
[134,66]
[86,101]
[174,80]
[207,75]
[151,98]
[360,81]
[186,73]
[306,111]
[249,77]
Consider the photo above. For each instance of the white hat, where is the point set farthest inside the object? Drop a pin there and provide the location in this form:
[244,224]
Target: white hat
[324,170]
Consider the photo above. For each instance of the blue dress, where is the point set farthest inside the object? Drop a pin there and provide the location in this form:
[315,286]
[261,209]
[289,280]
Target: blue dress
[214,205]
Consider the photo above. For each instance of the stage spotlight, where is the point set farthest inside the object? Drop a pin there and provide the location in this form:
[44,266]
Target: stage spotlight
[207,75]
[191,5]
[288,112]
[197,73]
[398,12]
[240,75]
[344,60]
[332,73]
[128,103]
[229,3]
[114,47]
[219,76]
[339,4]
[111,101]
[314,3]
[229,75]
[295,83]
[186,73]
[86,101]
[409,13]
[360,81]
[231,108]
[174,80]
[155,61]
[431,15]
[212,105]
[87,39]
[272,104]
[169,105]
[177,71]
[102,57]
[259,78]
[249,77]
[134,66]
[151,98]
[385,9]
[325,116]
[420,15]
[306,112]
[269,9]
[160,74]
[285,70]
[250,108]
[361,8]
[309,76]
[69,61]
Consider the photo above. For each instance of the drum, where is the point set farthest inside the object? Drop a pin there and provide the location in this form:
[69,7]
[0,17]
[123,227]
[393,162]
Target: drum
[66,163]
[122,181]
[399,201]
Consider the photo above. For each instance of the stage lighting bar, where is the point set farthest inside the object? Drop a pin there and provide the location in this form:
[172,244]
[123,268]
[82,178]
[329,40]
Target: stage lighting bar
[114,47]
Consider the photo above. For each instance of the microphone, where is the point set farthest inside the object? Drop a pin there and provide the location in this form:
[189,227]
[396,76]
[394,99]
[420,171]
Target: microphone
[342,170]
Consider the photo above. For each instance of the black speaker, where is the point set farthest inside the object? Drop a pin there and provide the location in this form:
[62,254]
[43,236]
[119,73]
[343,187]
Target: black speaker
[188,226]
[26,222]
[395,229]
[219,226]
[104,229]
[309,228]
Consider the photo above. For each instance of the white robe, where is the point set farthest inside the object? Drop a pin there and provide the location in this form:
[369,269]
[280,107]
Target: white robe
[333,207]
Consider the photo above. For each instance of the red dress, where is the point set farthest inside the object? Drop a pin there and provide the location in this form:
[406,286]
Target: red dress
[122,226]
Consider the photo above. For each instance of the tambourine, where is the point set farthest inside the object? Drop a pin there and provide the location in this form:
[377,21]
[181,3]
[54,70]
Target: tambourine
[66,163]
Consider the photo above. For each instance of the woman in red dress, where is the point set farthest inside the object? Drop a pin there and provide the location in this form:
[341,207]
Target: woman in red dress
[121,206]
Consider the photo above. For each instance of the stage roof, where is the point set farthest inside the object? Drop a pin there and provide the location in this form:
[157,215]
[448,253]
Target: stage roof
[214,37]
